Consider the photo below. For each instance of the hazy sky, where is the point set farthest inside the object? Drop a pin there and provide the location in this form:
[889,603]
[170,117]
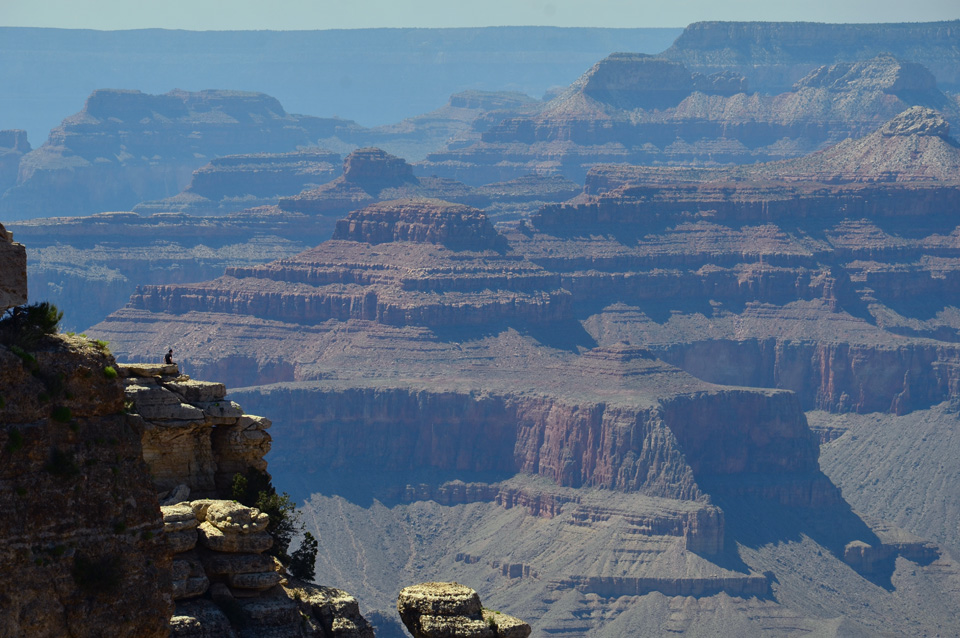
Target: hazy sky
[337,14]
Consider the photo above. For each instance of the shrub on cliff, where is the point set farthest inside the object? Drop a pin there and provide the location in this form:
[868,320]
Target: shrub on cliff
[303,561]
[25,326]
[255,490]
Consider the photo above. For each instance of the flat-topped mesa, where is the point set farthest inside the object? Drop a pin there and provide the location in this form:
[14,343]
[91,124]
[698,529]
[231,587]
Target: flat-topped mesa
[235,182]
[636,80]
[375,169]
[126,147]
[632,108]
[371,175]
[421,220]
[884,73]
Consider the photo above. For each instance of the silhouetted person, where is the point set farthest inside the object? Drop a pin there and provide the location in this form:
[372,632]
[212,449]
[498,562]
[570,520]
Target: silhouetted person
[168,359]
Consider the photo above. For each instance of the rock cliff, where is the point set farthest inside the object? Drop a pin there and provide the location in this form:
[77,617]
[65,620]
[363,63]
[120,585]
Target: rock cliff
[13,271]
[432,610]
[83,548]
[724,272]
[420,262]
[774,55]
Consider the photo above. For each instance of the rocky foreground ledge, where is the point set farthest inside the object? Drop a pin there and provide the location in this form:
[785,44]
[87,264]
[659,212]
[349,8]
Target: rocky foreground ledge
[451,610]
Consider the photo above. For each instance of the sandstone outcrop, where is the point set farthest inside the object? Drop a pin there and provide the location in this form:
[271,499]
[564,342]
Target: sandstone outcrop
[192,435]
[225,585]
[639,109]
[13,271]
[126,147]
[237,182]
[450,610]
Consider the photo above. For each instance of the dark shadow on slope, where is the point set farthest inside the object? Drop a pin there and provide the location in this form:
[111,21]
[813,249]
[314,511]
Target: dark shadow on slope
[568,335]
[366,484]
[755,521]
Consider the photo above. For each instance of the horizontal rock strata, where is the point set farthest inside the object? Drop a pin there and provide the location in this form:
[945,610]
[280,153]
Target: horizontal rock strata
[192,435]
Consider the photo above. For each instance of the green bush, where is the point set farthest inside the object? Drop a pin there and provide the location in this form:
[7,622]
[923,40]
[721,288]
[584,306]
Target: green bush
[255,490]
[25,326]
[110,372]
[303,561]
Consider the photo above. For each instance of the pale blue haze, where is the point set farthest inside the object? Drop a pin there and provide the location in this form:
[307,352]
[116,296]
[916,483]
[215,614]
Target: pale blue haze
[343,14]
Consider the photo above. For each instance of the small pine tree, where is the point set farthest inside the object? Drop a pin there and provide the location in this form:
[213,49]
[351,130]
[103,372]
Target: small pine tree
[304,559]
[24,326]
[255,490]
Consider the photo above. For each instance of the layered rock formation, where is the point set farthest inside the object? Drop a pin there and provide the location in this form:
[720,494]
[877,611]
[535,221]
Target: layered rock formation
[460,120]
[371,175]
[454,271]
[89,266]
[125,147]
[774,55]
[639,109]
[732,274]
[505,434]
[194,444]
[192,436]
[432,610]
[237,182]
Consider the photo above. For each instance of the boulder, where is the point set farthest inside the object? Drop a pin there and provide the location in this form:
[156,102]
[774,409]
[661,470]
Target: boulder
[191,391]
[233,542]
[452,610]
[189,579]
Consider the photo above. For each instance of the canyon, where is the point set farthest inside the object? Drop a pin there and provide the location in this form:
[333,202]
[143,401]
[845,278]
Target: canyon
[606,398]
[711,391]
[641,109]
[91,449]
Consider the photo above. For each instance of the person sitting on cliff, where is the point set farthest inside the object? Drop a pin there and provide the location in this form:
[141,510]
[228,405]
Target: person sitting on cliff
[168,358]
